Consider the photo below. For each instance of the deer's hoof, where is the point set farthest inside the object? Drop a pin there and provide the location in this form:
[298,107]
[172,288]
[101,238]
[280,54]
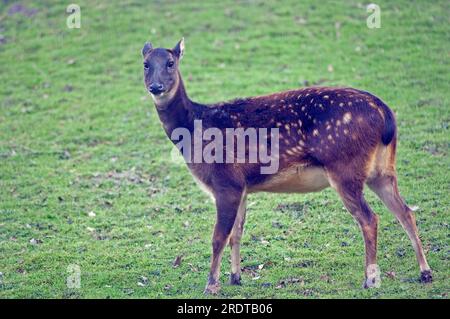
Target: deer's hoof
[212,289]
[371,283]
[426,276]
[235,279]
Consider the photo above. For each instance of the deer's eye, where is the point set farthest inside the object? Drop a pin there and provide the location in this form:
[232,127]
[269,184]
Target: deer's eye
[170,64]
[146,66]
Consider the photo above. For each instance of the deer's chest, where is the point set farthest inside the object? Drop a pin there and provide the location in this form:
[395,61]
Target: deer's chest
[203,186]
[201,177]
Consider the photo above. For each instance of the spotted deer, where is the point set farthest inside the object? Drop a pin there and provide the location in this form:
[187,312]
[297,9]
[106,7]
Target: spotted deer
[328,136]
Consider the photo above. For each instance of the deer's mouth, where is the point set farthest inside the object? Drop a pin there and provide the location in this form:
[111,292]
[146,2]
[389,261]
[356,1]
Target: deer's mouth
[157,94]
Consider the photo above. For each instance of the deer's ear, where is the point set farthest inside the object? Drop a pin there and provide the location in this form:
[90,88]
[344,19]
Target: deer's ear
[179,49]
[146,49]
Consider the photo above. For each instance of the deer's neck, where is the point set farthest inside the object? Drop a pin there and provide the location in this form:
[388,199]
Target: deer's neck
[177,111]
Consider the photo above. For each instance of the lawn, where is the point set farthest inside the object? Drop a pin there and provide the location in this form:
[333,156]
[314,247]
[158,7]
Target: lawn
[88,177]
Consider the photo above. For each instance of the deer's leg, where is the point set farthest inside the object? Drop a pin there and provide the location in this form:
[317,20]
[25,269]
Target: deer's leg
[235,243]
[227,204]
[351,193]
[387,190]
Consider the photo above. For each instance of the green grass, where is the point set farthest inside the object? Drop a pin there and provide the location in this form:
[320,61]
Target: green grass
[78,133]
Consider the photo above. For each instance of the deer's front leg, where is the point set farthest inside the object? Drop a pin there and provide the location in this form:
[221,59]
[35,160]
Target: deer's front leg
[227,204]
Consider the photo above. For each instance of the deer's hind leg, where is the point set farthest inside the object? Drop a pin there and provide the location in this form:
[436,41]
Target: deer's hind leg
[383,182]
[349,186]
[385,186]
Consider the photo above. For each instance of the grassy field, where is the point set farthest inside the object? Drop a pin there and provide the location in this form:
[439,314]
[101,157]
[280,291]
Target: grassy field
[86,176]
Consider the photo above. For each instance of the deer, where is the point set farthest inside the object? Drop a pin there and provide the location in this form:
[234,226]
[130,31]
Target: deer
[337,137]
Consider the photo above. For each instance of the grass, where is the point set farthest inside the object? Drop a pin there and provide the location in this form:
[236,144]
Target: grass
[78,134]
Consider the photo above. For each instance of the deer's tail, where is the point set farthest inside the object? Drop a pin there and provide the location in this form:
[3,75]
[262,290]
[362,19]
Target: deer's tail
[390,126]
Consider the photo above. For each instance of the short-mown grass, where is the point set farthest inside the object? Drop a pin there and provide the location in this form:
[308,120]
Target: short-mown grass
[79,134]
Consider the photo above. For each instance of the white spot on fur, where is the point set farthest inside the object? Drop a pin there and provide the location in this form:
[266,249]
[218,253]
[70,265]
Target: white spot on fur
[347,118]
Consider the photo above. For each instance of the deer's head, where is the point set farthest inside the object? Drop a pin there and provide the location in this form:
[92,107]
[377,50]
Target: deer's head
[161,74]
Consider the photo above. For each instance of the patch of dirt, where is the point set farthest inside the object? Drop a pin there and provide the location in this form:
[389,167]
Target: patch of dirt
[177,261]
[18,8]
[436,149]
[116,179]
[252,271]
[296,209]
[305,264]
[289,281]
[132,176]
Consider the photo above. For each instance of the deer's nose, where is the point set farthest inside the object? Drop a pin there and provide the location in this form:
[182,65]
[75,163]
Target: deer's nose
[156,88]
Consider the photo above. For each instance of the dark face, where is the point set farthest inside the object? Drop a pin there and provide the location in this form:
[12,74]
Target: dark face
[161,70]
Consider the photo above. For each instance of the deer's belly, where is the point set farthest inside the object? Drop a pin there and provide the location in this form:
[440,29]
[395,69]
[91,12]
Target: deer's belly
[295,179]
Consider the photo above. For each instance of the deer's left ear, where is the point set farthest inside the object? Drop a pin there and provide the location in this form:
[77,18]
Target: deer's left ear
[179,49]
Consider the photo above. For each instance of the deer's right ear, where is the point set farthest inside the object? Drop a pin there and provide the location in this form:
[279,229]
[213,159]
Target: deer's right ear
[146,49]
